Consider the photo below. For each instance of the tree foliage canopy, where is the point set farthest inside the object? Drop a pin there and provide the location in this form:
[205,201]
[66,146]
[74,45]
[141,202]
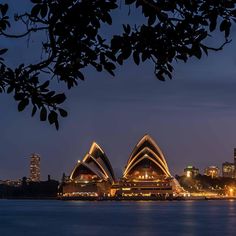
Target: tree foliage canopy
[172,30]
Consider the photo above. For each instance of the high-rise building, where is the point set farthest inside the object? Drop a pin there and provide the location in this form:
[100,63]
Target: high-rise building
[191,171]
[35,167]
[212,171]
[228,169]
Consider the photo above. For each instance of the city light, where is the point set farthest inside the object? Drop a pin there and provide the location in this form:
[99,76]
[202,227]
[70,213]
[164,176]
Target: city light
[146,174]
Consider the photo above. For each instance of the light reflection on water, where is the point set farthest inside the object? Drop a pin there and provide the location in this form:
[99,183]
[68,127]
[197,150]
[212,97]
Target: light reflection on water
[117,218]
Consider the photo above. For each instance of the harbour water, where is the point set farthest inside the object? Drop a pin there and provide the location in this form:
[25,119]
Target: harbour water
[69,218]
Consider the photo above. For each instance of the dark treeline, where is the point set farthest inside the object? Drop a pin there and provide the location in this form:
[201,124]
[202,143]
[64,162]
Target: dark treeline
[43,189]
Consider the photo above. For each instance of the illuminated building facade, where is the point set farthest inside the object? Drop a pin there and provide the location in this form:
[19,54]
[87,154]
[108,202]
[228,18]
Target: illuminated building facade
[212,171]
[146,175]
[35,167]
[191,171]
[228,170]
[91,177]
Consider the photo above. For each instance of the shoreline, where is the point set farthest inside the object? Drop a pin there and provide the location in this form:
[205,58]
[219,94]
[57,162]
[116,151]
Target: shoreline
[136,199]
[147,199]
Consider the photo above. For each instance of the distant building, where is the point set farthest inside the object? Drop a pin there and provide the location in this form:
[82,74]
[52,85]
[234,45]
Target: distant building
[212,171]
[14,183]
[191,171]
[35,168]
[228,170]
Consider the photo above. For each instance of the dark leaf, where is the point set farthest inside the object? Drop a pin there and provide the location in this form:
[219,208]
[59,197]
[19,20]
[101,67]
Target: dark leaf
[213,22]
[126,53]
[227,29]
[35,10]
[120,59]
[108,19]
[145,55]
[127,29]
[59,29]
[80,75]
[57,124]
[45,84]
[59,98]
[196,51]
[160,76]
[202,36]
[19,96]
[34,110]
[151,19]
[4,9]
[22,104]
[50,94]
[100,40]
[223,25]
[182,57]
[52,117]
[129,1]
[2,51]
[44,10]
[43,114]
[63,112]
[204,48]
[10,89]
[136,57]
[36,1]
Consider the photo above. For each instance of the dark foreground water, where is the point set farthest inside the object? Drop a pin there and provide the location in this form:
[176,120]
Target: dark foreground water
[41,218]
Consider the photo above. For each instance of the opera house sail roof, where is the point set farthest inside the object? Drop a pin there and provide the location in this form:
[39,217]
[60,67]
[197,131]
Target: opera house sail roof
[94,166]
[146,175]
[146,162]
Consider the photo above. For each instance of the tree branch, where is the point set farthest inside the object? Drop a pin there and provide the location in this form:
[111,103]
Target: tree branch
[216,49]
[24,34]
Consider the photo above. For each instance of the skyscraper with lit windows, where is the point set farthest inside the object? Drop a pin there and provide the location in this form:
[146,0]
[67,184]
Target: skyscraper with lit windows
[35,167]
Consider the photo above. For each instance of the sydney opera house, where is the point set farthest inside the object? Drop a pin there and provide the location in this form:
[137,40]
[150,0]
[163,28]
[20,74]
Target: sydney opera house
[145,175]
[91,177]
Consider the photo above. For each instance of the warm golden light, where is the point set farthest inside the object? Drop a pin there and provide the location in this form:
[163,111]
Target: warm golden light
[188,174]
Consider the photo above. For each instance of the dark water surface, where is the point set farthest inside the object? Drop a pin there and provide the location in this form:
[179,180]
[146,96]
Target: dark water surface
[23,217]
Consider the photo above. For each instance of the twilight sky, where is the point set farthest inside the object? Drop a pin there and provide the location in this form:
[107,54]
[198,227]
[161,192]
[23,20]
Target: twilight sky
[192,117]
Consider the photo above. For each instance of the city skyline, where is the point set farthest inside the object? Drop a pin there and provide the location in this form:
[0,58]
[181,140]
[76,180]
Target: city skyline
[192,117]
[35,170]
